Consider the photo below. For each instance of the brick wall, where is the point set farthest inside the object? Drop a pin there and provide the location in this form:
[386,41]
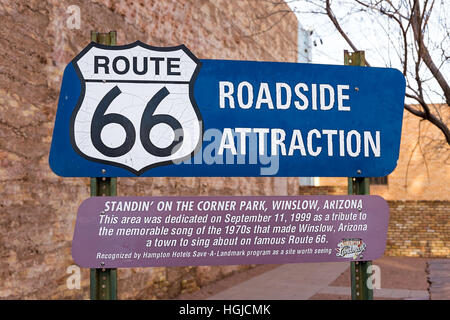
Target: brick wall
[38,208]
[323,190]
[419,229]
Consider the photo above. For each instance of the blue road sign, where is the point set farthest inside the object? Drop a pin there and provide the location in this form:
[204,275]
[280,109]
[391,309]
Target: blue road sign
[138,110]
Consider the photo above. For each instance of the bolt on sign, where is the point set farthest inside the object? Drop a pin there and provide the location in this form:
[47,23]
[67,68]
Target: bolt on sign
[121,232]
[138,110]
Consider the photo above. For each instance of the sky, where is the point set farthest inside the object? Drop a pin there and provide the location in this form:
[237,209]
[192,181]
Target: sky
[369,33]
[328,45]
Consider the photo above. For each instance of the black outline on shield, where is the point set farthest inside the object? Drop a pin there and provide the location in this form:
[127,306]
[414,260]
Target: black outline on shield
[82,93]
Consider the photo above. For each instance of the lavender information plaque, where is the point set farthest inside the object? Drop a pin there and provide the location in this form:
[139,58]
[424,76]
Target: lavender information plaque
[121,232]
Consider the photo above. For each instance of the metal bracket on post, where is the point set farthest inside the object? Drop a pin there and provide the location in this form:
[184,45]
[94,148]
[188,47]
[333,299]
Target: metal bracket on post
[103,281]
[358,186]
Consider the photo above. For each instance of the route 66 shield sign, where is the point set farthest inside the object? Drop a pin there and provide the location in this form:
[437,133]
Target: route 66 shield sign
[135,108]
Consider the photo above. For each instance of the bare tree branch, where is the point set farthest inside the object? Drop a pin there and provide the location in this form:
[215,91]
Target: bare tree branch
[427,115]
[416,24]
[339,29]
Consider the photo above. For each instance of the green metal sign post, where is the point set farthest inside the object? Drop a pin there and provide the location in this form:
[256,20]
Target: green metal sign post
[103,281]
[359,186]
[359,269]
